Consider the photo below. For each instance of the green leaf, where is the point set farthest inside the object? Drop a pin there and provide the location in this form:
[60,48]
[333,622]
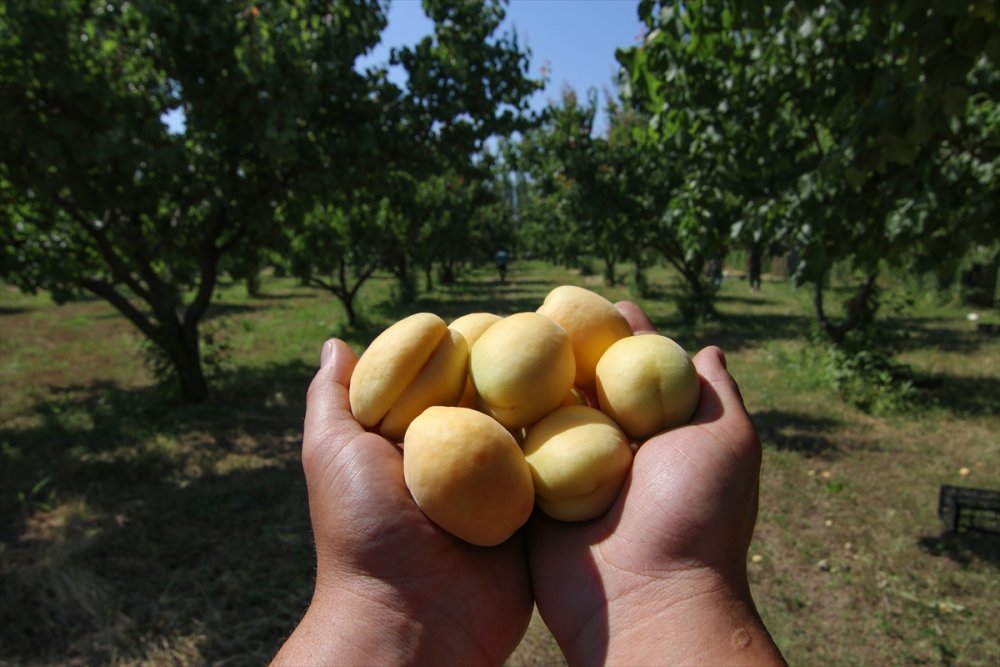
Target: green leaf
[855,177]
[953,102]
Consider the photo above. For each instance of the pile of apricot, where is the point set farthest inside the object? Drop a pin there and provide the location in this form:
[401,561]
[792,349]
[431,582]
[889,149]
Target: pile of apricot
[493,412]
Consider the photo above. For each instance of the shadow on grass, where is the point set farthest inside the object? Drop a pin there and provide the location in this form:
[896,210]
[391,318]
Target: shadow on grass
[940,334]
[759,299]
[448,303]
[219,569]
[960,395]
[795,432]
[178,528]
[965,547]
[738,331]
[302,293]
[490,285]
[216,311]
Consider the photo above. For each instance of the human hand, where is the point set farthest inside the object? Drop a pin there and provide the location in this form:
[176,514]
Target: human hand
[391,587]
[661,578]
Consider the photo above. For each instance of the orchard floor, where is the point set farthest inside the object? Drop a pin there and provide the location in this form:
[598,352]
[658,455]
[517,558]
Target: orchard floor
[135,530]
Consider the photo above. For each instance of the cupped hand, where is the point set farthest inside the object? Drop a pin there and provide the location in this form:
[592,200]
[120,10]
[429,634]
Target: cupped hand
[671,552]
[382,566]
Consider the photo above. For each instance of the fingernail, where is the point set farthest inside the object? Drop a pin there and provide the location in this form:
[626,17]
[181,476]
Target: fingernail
[326,354]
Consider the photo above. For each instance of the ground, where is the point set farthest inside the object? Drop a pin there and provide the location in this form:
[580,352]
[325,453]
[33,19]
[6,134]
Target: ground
[137,530]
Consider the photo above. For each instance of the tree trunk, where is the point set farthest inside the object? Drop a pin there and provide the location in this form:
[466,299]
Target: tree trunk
[347,301]
[407,290]
[448,272]
[857,309]
[194,386]
[179,343]
[609,272]
[252,283]
[697,302]
[639,281]
[185,351]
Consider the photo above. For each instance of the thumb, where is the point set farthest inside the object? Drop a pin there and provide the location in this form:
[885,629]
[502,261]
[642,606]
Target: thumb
[341,358]
[721,410]
[720,395]
[328,405]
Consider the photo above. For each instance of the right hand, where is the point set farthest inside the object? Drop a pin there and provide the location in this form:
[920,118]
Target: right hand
[661,578]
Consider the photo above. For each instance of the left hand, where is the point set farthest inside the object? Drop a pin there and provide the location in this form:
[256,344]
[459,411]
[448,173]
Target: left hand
[392,587]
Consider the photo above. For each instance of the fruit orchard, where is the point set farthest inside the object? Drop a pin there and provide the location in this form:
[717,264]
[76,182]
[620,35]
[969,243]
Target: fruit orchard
[861,137]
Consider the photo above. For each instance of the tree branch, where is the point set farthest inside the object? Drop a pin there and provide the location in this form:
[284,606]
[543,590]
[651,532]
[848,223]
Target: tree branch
[322,284]
[229,243]
[208,268]
[856,308]
[107,291]
[145,263]
[119,269]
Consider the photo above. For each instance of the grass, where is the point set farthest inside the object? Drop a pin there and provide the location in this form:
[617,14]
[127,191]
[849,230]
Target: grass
[138,531]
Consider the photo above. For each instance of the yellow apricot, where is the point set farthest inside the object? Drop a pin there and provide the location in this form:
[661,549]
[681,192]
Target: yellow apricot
[467,474]
[592,322]
[578,459]
[415,363]
[472,326]
[439,382]
[522,367]
[647,384]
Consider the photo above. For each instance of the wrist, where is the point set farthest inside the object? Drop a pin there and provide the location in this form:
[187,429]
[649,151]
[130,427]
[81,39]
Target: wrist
[345,628]
[364,621]
[689,618]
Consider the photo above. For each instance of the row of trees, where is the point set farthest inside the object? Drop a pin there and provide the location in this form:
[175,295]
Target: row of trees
[289,149]
[854,133]
[858,133]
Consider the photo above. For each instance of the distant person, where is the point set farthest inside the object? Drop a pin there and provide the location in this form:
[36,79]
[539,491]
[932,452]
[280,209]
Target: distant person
[659,580]
[753,266]
[715,272]
[502,265]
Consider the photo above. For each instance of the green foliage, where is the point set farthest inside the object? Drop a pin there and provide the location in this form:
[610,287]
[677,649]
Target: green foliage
[99,196]
[849,131]
[337,246]
[40,496]
[282,137]
[864,368]
[861,370]
[430,189]
[613,198]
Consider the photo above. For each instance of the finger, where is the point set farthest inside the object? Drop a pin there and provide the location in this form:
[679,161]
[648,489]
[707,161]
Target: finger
[721,410]
[328,403]
[720,394]
[340,355]
[636,318]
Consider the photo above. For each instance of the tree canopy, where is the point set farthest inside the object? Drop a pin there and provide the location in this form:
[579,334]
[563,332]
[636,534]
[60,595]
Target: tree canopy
[99,195]
[851,131]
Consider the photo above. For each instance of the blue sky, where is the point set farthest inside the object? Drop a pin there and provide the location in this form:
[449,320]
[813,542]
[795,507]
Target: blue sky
[574,40]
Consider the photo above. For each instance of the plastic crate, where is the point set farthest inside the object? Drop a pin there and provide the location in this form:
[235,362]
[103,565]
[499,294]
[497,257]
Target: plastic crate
[965,508]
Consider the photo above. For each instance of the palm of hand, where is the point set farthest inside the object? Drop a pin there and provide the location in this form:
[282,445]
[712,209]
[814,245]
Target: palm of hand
[371,534]
[678,511]
[675,515]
